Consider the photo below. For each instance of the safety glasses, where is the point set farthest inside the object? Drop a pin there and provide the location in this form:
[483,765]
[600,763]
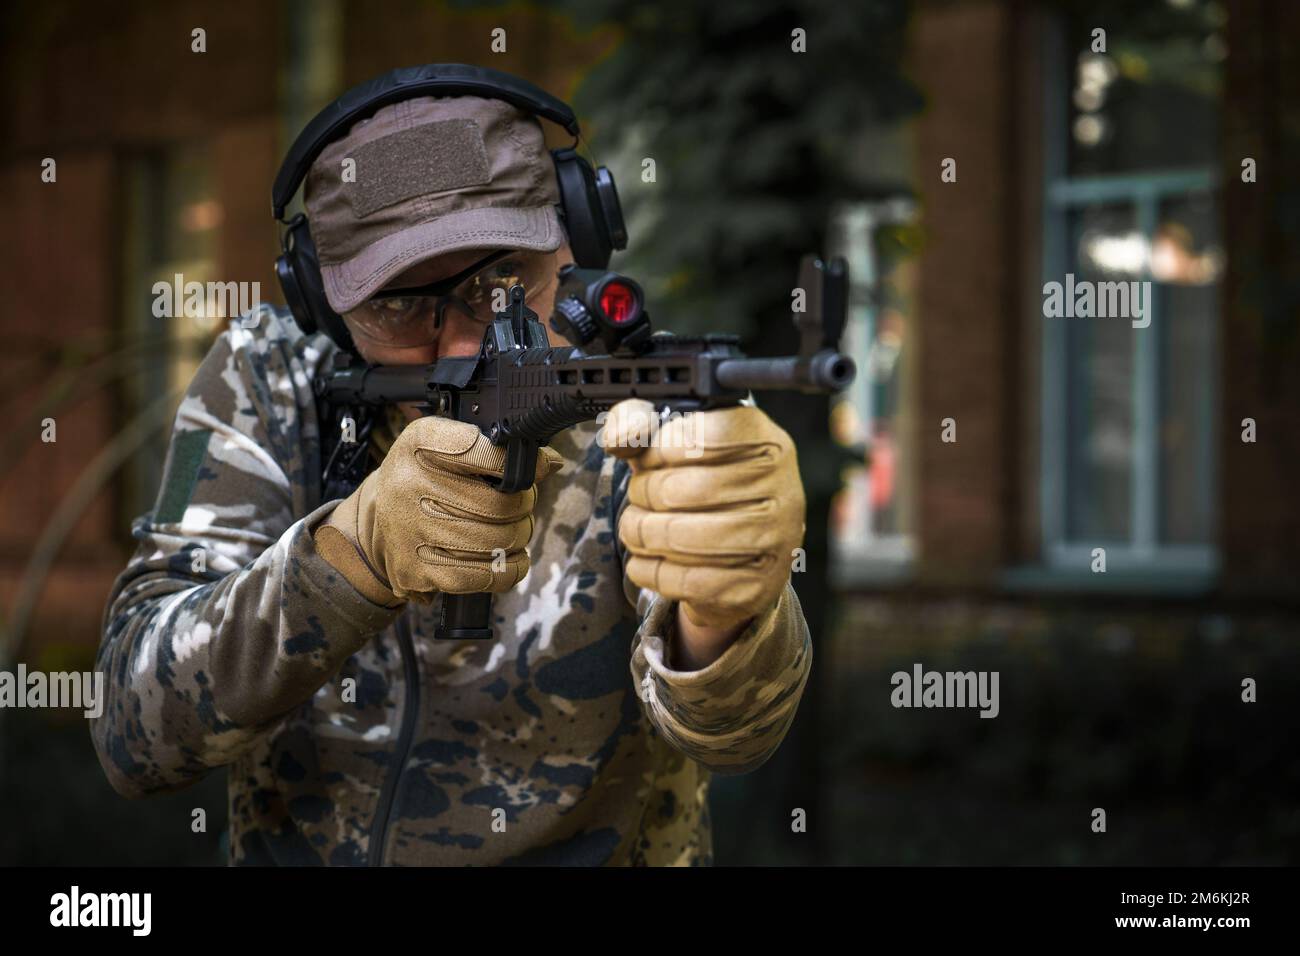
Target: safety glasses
[415,316]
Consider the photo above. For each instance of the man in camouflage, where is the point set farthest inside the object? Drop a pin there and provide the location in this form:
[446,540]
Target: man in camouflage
[655,640]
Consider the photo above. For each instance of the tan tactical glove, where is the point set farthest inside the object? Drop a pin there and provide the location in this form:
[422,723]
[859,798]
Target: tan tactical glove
[425,521]
[715,508]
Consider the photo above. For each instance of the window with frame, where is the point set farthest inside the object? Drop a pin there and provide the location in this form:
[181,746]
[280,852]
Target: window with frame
[872,517]
[1132,145]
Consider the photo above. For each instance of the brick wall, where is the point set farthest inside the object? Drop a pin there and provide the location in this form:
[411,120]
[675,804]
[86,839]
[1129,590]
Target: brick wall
[1260,508]
[966,304]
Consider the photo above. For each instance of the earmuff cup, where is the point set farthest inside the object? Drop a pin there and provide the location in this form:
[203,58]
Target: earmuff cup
[298,269]
[584,215]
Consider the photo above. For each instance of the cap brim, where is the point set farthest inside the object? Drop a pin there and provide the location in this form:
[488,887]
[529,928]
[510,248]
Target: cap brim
[348,284]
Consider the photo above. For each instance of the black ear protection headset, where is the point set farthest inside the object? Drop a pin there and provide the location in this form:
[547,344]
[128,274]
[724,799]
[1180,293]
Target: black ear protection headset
[589,206]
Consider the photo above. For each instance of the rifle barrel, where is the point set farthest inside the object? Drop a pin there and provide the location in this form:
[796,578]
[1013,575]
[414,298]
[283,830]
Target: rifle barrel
[826,370]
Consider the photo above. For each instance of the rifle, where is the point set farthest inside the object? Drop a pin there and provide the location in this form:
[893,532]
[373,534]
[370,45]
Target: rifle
[520,391]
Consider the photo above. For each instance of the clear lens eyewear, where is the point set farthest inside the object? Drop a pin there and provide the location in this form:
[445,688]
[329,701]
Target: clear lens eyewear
[411,317]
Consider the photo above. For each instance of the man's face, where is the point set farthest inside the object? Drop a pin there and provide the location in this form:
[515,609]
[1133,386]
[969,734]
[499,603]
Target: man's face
[458,325]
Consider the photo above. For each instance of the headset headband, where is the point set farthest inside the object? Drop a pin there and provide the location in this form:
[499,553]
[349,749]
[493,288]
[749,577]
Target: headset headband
[437,79]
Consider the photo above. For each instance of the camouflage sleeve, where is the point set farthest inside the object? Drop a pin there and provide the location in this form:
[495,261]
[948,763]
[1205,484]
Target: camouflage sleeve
[731,715]
[225,618]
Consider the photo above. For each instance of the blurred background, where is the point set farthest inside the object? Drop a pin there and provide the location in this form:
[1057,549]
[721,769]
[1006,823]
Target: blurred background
[1117,162]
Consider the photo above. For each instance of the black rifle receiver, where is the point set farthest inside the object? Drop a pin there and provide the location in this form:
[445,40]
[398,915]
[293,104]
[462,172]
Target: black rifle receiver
[520,391]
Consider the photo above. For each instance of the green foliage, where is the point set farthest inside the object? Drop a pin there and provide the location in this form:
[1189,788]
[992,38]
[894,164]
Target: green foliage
[752,142]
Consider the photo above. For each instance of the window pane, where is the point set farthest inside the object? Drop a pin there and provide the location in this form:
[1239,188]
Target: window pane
[1186,261]
[1149,101]
[1099,388]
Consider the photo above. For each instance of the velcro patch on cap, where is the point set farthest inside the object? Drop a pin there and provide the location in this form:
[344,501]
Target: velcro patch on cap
[431,158]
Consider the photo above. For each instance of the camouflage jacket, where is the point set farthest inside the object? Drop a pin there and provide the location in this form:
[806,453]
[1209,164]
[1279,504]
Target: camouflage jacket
[351,736]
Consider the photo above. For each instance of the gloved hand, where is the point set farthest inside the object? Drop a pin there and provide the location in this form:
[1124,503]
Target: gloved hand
[425,521]
[715,508]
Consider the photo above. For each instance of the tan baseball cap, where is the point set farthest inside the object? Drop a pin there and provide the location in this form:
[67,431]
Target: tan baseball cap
[428,176]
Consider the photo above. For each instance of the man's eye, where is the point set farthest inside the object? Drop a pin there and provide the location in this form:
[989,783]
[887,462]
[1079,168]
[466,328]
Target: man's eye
[501,275]
[398,306]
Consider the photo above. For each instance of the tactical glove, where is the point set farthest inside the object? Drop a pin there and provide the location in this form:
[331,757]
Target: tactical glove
[716,508]
[426,521]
